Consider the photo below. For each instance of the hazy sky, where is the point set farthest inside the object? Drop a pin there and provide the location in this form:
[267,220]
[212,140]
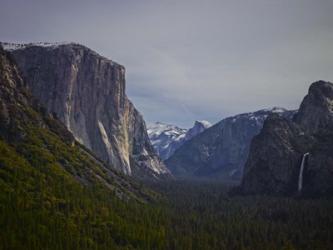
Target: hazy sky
[188,59]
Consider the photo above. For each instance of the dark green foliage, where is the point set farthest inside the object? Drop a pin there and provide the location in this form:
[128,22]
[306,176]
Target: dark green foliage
[203,216]
[43,207]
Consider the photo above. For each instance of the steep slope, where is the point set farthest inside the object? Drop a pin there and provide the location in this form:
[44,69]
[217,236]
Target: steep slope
[54,193]
[220,151]
[279,146]
[87,93]
[167,138]
[290,157]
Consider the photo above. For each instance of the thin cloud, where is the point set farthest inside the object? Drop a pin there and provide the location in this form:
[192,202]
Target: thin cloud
[189,59]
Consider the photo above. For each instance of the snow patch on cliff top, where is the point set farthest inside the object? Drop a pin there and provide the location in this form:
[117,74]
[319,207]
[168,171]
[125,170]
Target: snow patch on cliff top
[17,46]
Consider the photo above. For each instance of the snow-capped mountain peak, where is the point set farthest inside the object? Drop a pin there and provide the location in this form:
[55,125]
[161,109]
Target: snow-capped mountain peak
[166,138]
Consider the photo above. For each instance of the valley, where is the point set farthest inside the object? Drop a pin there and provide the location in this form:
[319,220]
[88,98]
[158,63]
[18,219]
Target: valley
[79,168]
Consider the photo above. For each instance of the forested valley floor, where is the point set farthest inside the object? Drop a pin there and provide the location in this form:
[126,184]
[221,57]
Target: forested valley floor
[39,214]
[201,215]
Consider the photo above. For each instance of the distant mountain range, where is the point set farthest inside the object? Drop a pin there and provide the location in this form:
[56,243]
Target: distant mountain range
[167,138]
[220,152]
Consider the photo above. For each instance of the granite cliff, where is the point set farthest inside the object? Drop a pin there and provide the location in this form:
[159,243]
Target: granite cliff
[87,93]
[37,148]
[286,153]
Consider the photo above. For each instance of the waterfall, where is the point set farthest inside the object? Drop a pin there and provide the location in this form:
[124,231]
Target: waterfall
[300,177]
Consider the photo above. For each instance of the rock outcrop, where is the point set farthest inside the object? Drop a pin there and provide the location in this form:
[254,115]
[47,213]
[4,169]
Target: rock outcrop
[198,127]
[316,110]
[87,93]
[221,150]
[274,165]
[274,152]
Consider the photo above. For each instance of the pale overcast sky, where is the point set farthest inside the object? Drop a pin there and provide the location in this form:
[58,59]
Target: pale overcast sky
[187,59]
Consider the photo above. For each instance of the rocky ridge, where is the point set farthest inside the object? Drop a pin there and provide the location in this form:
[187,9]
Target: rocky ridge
[221,151]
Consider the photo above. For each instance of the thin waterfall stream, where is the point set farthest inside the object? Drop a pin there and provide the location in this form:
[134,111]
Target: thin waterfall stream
[301,170]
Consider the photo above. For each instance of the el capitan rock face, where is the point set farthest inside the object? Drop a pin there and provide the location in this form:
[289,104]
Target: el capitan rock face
[34,142]
[87,93]
[274,163]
